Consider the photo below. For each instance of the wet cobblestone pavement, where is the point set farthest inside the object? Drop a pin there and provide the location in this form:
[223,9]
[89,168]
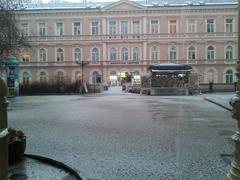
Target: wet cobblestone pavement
[123,136]
[29,169]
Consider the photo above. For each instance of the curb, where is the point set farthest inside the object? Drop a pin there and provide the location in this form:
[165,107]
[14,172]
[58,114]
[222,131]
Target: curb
[55,163]
[218,104]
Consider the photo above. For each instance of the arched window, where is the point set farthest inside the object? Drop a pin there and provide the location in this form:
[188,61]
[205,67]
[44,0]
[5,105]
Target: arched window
[25,55]
[77,54]
[135,73]
[113,73]
[229,53]
[210,76]
[113,55]
[173,53]
[191,53]
[60,57]
[77,76]
[42,55]
[25,78]
[229,76]
[210,53]
[95,77]
[136,54]
[60,77]
[155,53]
[43,77]
[95,55]
[124,55]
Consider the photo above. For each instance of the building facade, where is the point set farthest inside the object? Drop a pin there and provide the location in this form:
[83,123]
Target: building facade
[101,43]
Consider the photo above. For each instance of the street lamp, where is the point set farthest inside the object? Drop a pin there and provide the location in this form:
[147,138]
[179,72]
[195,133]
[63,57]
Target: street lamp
[234,172]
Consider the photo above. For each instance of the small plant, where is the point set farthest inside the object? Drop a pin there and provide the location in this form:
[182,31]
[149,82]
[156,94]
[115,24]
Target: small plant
[16,145]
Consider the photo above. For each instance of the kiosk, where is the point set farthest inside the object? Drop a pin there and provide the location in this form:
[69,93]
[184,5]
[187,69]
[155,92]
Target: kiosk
[12,76]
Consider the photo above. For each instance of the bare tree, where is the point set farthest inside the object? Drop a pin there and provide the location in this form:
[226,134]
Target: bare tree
[11,38]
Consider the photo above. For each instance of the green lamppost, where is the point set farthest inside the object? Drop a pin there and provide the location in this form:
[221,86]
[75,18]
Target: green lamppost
[234,173]
[3,131]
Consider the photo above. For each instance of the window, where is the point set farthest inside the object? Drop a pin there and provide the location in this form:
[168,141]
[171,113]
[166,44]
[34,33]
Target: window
[77,76]
[136,27]
[173,53]
[124,55]
[136,54]
[210,53]
[229,25]
[191,53]
[124,27]
[60,57]
[95,30]
[229,76]
[43,77]
[191,26]
[59,29]
[24,29]
[154,26]
[96,78]
[76,29]
[210,25]
[42,55]
[112,27]
[60,77]
[210,76]
[155,53]
[25,55]
[229,53]
[113,55]
[172,26]
[95,55]
[42,29]
[25,78]
[77,54]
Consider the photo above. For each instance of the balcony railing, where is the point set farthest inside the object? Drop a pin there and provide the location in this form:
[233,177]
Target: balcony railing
[134,37]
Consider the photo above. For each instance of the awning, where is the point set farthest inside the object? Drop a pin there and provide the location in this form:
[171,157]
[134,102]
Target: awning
[169,67]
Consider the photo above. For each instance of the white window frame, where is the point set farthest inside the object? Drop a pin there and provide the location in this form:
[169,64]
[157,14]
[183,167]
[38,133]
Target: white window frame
[126,56]
[214,25]
[138,31]
[190,24]
[214,53]
[74,54]
[56,55]
[98,27]
[138,54]
[195,53]
[25,29]
[170,24]
[155,55]
[153,29]
[98,55]
[112,30]
[124,29]
[73,28]
[39,53]
[59,33]
[110,55]
[225,25]
[29,55]
[169,53]
[45,27]
[225,52]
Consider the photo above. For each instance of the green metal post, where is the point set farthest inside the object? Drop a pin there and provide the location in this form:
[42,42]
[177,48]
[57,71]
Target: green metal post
[3,131]
[234,173]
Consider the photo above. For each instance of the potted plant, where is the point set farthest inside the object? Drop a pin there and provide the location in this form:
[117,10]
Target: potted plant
[16,145]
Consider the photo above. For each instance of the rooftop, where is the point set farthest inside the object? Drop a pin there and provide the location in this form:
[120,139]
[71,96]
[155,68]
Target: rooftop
[147,3]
